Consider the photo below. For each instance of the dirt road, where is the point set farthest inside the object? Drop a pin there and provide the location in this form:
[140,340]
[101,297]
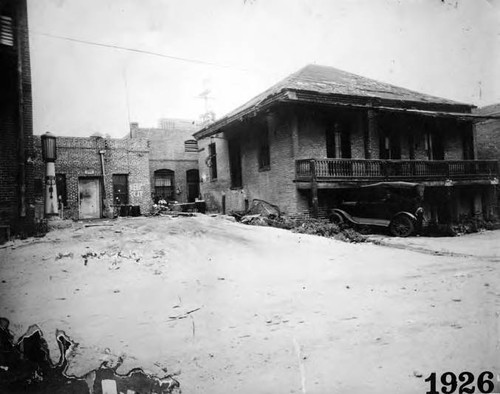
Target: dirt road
[234,308]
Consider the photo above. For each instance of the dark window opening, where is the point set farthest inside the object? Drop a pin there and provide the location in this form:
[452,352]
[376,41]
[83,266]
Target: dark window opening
[212,160]
[191,146]
[235,163]
[6,31]
[120,189]
[264,152]
[164,182]
[61,189]
[338,142]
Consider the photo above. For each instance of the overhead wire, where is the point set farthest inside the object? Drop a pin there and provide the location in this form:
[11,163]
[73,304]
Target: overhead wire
[136,50]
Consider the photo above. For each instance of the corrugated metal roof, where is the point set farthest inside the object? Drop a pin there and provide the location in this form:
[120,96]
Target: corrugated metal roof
[324,80]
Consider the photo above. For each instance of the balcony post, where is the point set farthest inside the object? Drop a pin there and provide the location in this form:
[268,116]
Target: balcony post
[371,135]
[314,189]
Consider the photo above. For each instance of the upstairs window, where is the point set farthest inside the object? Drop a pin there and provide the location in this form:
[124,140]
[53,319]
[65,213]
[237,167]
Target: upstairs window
[6,31]
[264,152]
[191,146]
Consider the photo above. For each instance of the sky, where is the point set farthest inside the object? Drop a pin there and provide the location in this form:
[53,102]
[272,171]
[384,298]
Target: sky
[235,49]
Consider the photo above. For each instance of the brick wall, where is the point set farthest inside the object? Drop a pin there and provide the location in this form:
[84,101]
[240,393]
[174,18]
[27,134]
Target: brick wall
[79,158]
[487,136]
[16,125]
[167,151]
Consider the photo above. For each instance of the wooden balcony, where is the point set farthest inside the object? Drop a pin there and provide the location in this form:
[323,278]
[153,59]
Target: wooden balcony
[360,170]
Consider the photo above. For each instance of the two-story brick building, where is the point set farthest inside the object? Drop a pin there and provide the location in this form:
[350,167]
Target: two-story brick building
[96,176]
[16,121]
[173,159]
[321,131]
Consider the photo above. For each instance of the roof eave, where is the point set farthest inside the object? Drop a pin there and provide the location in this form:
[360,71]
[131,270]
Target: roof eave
[215,127]
[302,96]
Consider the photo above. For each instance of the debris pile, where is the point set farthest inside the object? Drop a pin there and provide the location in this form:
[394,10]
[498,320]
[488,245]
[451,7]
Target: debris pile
[327,229]
[262,213]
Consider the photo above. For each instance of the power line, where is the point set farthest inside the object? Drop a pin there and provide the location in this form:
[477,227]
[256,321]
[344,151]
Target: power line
[141,51]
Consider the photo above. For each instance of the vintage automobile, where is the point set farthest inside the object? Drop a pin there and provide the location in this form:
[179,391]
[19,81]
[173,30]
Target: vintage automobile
[393,205]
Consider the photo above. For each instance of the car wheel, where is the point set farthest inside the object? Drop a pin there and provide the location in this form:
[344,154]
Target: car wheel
[401,226]
[336,218]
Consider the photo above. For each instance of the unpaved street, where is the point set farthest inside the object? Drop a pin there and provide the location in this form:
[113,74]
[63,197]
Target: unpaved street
[235,308]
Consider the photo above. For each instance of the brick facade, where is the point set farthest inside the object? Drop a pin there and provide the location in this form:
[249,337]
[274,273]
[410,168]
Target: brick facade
[80,158]
[168,152]
[16,124]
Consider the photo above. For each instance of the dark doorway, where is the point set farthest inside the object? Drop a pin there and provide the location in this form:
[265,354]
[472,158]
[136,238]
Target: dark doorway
[434,145]
[338,144]
[120,189]
[390,145]
[235,163]
[193,184]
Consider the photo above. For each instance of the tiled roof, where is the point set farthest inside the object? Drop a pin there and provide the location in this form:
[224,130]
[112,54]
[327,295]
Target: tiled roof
[323,80]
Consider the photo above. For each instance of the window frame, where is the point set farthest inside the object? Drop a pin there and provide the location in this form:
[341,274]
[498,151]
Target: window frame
[164,191]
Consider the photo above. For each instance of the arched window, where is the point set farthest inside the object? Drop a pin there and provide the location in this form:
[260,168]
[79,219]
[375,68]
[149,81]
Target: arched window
[164,184]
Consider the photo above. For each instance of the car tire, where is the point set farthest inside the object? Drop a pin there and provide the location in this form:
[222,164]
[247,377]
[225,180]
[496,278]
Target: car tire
[401,226]
[336,218]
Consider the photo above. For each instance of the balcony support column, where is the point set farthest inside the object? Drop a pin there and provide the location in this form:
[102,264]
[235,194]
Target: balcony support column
[314,190]
[371,135]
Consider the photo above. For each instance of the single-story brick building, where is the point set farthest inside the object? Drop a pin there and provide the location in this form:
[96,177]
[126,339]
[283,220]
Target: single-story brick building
[96,176]
[321,131]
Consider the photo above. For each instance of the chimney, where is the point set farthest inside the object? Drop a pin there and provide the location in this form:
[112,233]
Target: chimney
[134,129]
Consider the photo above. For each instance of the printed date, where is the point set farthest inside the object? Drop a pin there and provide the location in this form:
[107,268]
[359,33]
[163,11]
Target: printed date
[464,383]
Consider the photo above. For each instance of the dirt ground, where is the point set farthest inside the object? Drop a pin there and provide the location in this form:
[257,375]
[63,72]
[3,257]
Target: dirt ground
[234,308]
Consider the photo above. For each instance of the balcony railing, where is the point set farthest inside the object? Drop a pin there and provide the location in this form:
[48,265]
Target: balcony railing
[326,170]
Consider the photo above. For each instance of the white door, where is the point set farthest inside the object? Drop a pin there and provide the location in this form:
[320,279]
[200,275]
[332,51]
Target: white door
[89,198]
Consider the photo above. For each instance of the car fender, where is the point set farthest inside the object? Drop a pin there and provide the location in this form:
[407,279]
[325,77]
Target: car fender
[407,214]
[344,215]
